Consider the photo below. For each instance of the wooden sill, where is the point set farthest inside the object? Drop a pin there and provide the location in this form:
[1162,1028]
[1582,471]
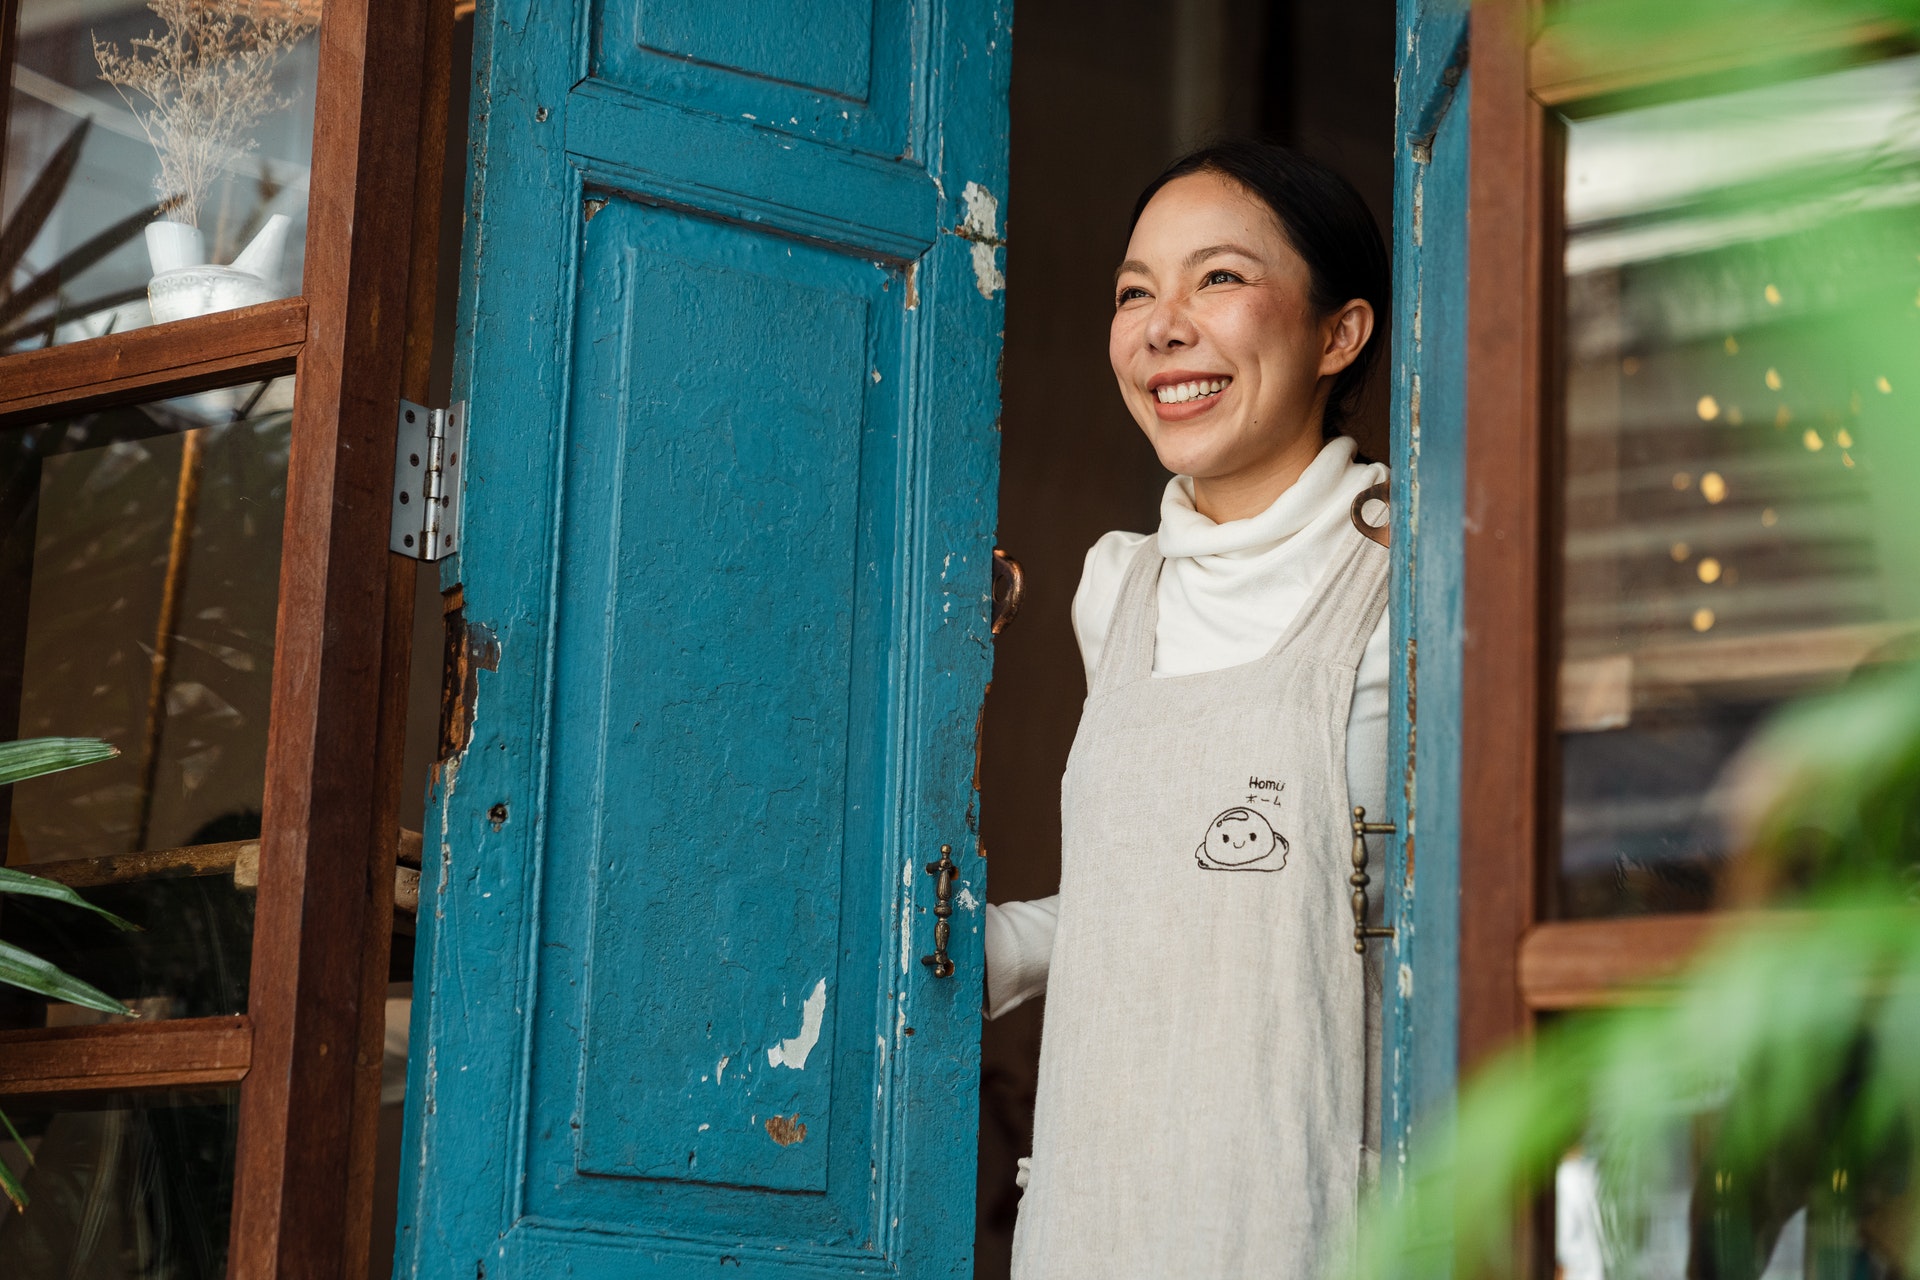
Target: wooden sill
[1585,963]
[238,858]
[122,1057]
[164,360]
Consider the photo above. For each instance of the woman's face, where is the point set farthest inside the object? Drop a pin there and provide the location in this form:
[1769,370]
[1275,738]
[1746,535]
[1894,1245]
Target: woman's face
[1219,353]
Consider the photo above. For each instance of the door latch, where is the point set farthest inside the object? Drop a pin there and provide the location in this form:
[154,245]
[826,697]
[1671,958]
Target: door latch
[1009,589]
[427,466]
[943,871]
[1361,929]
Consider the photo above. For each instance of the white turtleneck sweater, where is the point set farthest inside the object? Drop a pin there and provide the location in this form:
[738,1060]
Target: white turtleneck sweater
[1226,593]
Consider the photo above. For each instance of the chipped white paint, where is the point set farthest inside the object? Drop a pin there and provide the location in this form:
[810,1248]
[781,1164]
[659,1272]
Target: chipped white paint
[906,918]
[967,901]
[983,213]
[982,226]
[987,277]
[793,1053]
[720,1068]
[1406,982]
[703,1128]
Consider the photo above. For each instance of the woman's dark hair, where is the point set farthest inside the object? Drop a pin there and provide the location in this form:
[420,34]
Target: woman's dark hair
[1327,224]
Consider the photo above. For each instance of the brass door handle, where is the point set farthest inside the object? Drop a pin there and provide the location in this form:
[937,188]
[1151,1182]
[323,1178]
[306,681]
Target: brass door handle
[1361,929]
[1009,589]
[943,871]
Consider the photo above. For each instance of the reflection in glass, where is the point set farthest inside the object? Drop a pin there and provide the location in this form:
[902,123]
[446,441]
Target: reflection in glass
[156,162]
[122,1189]
[1812,1214]
[144,546]
[1742,447]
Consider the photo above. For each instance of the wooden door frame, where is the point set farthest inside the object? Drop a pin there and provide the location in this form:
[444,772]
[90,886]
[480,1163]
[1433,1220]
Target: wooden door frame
[1506,651]
[306,1056]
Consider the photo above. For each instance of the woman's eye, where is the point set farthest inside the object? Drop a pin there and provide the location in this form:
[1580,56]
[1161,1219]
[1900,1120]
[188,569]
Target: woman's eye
[1128,294]
[1222,277]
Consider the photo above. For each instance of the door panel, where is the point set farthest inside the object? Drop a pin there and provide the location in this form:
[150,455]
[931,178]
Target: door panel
[837,71]
[1429,455]
[730,487]
[722,557]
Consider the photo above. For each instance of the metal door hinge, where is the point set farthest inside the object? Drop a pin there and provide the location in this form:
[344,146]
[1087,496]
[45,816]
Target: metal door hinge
[426,480]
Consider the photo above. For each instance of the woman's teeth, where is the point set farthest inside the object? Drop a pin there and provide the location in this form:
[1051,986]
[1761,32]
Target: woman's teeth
[1181,392]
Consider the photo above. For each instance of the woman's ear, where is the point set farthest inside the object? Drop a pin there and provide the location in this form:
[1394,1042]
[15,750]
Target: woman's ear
[1345,334]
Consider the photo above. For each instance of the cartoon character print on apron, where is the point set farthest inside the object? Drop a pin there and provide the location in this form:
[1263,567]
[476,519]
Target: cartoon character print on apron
[1203,1088]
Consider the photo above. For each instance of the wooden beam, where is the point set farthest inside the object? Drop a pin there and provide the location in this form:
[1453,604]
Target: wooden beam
[434,78]
[1584,963]
[325,911]
[1505,654]
[238,858]
[119,1057]
[218,350]
[155,864]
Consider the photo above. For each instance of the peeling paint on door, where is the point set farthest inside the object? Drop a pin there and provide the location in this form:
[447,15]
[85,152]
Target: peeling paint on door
[793,1053]
[982,227]
[786,1130]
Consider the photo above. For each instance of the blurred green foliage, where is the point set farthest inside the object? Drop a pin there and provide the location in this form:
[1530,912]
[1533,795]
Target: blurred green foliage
[1789,1052]
[1786,1059]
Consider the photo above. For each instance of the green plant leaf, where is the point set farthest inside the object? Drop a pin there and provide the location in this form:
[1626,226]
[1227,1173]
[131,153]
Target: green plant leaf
[36,757]
[29,972]
[11,1186]
[32,886]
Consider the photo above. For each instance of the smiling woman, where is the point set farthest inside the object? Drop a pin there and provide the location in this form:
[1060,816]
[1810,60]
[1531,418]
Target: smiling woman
[1237,666]
[1237,356]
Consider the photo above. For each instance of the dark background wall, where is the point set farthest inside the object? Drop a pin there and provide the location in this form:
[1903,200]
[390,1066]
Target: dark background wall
[1103,97]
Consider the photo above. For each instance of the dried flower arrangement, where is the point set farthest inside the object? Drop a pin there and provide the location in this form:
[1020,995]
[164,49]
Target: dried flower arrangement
[200,88]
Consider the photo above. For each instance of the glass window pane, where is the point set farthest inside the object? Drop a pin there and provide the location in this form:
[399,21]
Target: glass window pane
[122,1188]
[147,182]
[144,543]
[1742,447]
[1805,1217]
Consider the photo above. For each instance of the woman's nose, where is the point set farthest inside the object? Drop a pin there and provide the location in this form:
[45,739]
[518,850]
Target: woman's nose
[1170,327]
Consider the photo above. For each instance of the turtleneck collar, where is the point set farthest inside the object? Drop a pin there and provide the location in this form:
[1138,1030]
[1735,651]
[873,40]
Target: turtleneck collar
[1185,533]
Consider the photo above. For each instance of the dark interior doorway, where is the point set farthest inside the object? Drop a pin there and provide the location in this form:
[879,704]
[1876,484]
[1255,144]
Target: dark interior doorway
[1102,99]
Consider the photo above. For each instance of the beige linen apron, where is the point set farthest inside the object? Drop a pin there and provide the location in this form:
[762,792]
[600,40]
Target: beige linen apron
[1203,1067]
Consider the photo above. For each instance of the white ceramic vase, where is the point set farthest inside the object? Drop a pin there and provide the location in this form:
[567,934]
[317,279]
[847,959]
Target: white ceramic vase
[184,284]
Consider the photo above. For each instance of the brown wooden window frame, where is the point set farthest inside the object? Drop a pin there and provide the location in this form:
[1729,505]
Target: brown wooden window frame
[1516,964]
[306,1055]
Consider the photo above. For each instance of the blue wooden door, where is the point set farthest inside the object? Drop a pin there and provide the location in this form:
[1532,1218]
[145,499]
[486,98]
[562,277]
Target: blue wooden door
[729,328]
[1429,469]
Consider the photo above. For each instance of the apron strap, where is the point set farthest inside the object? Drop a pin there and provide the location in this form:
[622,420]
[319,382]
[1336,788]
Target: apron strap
[1128,653]
[1340,616]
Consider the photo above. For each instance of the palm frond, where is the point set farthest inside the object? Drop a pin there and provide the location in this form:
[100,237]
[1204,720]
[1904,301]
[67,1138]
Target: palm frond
[37,205]
[21,968]
[27,884]
[96,247]
[36,757]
